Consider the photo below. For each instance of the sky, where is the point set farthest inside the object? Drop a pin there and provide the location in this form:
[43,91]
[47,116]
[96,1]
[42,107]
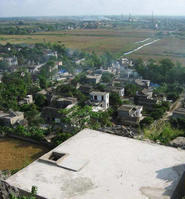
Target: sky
[12,8]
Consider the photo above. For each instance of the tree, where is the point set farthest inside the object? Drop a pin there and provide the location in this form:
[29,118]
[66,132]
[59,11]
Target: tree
[130,90]
[147,121]
[107,77]
[115,100]
[40,100]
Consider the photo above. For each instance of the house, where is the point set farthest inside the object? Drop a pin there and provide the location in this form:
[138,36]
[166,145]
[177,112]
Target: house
[49,53]
[130,114]
[95,165]
[108,70]
[179,113]
[145,98]
[67,102]
[11,118]
[99,101]
[51,113]
[11,61]
[27,100]
[119,90]
[93,79]
[85,89]
[80,61]
[142,83]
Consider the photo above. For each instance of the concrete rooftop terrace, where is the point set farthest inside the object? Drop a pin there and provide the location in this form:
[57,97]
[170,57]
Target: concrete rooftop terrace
[104,166]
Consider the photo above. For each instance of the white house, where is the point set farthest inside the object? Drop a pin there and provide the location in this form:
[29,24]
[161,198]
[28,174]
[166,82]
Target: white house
[99,100]
[11,61]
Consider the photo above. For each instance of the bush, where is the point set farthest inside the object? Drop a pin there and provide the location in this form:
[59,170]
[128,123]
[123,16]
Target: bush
[164,135]
[147,121]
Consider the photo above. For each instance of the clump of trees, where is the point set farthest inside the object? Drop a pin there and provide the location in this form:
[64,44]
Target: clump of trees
[14,87]
[163,72]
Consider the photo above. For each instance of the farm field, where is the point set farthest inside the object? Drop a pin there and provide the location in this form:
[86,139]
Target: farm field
[16,154]
[98,40]
[116,41]
[172,48]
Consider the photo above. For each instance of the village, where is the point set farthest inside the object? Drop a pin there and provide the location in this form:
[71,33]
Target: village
[67,85]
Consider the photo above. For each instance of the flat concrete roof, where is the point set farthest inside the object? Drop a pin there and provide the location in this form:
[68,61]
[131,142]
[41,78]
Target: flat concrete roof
[98,93]
[103,166]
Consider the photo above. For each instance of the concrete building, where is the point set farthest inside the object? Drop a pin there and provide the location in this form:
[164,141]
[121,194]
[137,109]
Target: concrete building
[51,113]
[27,100]
[11,61]
[93,79]
[96,165]
[11,118]
[130,114]
[99,101]
[142,83]
[119,90]
[145,98]
[179,113]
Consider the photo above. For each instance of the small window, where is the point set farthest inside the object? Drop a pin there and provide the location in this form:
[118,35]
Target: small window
[56,156]
[95,97]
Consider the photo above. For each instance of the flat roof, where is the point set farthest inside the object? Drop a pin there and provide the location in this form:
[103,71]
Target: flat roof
[99,165]
[180,111]
[128,107]
[98,93]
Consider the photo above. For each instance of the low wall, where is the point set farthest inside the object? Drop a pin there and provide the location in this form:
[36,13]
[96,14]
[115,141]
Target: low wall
[27,139]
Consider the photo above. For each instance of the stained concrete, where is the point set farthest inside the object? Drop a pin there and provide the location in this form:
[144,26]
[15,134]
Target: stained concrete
[116,168]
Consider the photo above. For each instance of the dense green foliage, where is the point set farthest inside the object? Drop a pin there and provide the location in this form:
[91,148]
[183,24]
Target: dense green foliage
[147,121]
[31,132]
[14,87]
[178,123]
[107,77]
[130,90]
[159,110]
[165,134]
[163,72]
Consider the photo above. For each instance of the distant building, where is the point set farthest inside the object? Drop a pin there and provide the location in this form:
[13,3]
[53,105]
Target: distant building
[93,79]
[49,53]
[11,61]
[99,101]
[145,98]
[76,169]
[142,83]
[130,114]
[51,113]
[85,89]
[80,61]
[11,118]
[119,90]
[179,113]
[27,100]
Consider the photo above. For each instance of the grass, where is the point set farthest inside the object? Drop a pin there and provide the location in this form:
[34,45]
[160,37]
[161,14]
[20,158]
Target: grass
[98,40]
[163,133]
[15,153]
[116,41]
[171,47]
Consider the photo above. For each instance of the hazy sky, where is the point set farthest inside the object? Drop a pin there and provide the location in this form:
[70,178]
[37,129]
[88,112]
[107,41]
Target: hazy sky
[90,7]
